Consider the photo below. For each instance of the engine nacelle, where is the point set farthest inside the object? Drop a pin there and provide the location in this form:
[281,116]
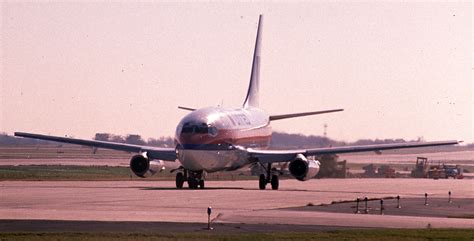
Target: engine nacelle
[303,169]
[143,167]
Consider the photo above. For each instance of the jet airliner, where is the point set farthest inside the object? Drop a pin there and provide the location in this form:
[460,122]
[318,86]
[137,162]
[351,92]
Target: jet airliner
[215,139]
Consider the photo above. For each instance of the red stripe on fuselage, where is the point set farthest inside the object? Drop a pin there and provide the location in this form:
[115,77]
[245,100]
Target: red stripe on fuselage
[242,137]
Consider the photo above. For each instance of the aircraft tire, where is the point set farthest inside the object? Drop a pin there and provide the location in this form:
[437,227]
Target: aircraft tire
[192,183]
[262,182]
[179,180]
[275,183]
[201,184]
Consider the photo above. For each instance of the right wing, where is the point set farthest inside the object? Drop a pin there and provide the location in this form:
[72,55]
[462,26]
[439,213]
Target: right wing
[270,156]
[165,154]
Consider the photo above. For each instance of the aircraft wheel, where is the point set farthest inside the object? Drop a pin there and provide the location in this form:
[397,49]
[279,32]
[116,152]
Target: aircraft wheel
[275,182]
[201,184]
[262,182]
[179,180]
[192,183]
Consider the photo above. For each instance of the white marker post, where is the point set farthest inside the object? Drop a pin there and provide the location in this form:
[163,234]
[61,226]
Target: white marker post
[209,211]
[366,205]
[357,207]
[382,208]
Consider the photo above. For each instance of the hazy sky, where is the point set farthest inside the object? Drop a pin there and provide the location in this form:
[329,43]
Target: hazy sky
[400,70]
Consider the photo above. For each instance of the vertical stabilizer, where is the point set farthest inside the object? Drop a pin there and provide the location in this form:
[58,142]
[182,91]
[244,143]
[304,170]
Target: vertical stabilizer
[252,94]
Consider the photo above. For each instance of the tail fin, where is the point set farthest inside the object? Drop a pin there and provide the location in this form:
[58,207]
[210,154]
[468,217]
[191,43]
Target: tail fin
[252,94]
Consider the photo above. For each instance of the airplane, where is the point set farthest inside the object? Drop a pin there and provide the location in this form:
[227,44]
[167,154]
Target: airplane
[213,139]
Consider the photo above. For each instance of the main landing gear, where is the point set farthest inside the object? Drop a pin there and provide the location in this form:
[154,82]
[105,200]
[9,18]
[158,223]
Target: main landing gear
[269,177]
[195,179]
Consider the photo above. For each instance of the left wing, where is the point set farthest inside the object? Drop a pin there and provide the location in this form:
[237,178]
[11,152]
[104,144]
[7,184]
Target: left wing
[165,154]
[270,156]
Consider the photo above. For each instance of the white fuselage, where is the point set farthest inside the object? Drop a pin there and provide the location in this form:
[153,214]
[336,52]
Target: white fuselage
[213,138]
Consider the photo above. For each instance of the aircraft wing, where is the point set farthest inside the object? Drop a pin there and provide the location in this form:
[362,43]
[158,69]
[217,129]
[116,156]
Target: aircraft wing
[270,156]
[165,154]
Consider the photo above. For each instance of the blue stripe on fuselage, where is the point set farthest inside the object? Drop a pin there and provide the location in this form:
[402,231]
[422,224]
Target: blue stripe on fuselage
[206,147]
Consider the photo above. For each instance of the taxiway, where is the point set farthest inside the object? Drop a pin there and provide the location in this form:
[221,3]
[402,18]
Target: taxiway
[239,202]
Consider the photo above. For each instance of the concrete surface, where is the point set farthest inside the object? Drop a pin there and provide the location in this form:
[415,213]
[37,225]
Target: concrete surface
[233,202]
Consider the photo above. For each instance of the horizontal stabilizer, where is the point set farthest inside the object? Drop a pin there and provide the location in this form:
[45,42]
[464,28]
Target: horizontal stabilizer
[279,117]
[186,108]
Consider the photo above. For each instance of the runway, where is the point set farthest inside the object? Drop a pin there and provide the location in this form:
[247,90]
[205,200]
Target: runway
[238,202]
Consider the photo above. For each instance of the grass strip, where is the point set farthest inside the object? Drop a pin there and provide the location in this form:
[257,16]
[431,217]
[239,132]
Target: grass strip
[369,234]
[96,173]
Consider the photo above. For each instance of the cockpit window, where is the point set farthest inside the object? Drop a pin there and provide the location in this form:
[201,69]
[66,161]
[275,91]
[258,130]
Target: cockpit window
[202,128]
[188,128]
[212,131]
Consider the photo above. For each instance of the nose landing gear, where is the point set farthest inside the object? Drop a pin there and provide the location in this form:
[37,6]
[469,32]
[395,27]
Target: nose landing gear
[195,179]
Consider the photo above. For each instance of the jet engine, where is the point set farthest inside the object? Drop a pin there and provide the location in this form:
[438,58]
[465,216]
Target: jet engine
[303,169]
[142,166]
